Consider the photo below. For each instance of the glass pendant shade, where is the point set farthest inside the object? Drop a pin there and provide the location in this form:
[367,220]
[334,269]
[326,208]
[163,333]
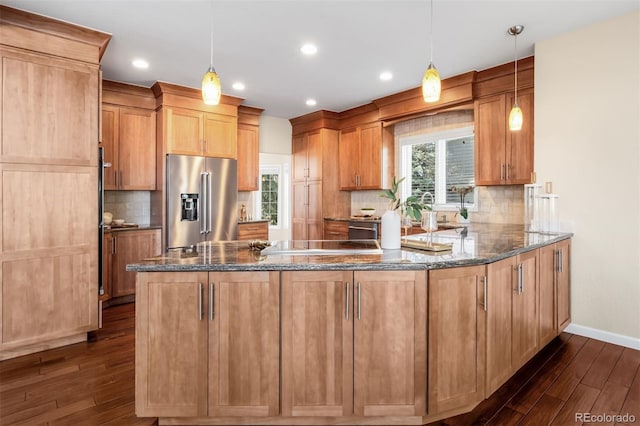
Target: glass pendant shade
[431,84]
[211,89]
[515,118]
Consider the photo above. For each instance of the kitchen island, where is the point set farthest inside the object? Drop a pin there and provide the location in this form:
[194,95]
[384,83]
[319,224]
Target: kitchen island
[226,335]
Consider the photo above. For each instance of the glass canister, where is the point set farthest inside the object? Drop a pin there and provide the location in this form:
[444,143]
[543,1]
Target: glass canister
[549,213]
[531,211]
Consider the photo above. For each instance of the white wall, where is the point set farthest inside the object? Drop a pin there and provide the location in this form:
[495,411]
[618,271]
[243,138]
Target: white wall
[275,135]
[587,142]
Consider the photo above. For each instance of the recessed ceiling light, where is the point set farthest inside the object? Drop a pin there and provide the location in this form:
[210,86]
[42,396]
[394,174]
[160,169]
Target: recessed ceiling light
[140,64]
[386,76]
[311,102]
[309,49]
[238,85]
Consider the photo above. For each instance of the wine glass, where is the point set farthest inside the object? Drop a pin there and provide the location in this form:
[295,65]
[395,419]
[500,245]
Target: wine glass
[405,223]
[429,223]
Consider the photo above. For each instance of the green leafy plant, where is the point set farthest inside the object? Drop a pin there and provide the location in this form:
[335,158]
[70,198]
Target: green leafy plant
[411,206]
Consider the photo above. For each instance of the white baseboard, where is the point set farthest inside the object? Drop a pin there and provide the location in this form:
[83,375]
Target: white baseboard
[605,336]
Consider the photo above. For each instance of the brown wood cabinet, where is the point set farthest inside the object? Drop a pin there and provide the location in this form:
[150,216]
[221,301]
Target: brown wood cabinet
[225,324]
[334,326]
[336,230]
[130,247]
[315,183]
[366,157]
[193,132]
[248,148]
[456,333]
[563,283]
[317,343]
[502,156]
[253,230]
[49,104]
[548,318]
[512,316]
[129,143]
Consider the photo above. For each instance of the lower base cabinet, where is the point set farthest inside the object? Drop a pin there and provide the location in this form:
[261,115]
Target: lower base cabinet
[198,335]
[456,336]
[353,343]
[128,247]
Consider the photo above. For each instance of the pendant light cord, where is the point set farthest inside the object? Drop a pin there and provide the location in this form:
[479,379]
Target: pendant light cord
[431,31]
[212,33]
[516,63]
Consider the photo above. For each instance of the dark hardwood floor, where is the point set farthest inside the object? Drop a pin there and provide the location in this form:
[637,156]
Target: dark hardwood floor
[93,383]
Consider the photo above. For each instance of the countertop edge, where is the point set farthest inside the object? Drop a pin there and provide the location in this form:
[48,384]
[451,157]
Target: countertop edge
[351,266]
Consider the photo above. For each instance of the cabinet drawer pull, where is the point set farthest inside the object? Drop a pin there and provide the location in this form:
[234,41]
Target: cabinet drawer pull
[200,301]
[211,300]
[346,307]
[521,277]
[560,261]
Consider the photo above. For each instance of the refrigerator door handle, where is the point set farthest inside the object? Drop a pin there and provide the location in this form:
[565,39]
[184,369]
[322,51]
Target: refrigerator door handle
[209,199]
[202,214]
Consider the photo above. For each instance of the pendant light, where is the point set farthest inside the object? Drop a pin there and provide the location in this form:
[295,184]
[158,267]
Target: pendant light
[515,116]
[431,81]
[211,89]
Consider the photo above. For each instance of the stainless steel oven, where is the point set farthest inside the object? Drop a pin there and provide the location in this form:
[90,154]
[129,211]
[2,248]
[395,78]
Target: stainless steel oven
[360,230]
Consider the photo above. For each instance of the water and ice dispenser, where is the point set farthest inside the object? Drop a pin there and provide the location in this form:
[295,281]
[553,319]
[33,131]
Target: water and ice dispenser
[189,209]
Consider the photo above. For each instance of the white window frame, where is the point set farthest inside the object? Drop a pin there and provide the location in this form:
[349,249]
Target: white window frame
[283,174]
[439,138]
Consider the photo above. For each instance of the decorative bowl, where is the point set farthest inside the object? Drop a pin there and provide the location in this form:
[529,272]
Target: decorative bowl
[118,221]
[367,211]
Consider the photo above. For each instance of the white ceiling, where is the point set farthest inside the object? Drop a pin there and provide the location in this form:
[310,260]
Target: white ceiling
[258,42]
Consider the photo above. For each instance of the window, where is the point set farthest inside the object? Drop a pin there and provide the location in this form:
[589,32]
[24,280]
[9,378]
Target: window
[435,162]
[269,199]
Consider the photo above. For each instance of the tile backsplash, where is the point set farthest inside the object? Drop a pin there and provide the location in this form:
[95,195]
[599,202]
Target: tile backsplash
[496,204]
[132,206]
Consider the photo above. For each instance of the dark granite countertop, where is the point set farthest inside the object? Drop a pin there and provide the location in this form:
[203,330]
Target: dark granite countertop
[483,243]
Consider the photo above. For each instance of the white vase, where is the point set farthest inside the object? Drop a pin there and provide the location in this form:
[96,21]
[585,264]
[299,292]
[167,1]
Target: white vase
[390,230]
[461,219]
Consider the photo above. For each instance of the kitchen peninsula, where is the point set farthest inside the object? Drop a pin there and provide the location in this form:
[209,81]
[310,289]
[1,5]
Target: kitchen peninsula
[226,335]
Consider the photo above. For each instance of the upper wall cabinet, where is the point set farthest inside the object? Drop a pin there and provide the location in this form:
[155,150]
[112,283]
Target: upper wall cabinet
[129,142]
[189,127]
[503,157]
[366,157]
[248,148]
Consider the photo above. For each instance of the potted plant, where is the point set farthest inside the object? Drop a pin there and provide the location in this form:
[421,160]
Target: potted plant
[391,220]
[411,206]
[462,211]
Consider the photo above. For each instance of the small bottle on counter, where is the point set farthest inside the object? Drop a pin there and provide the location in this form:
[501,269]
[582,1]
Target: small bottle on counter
[243,213]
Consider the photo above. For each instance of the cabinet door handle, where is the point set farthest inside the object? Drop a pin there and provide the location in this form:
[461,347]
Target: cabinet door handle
[211,300]
[484,283]
[346,306]
[501,171]
[561,258]
[359,302]
[113,245]
[521,277]
[200,301]
[506,171]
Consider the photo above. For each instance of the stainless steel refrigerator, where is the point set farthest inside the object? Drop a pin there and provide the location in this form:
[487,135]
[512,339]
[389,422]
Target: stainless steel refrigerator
[201,200]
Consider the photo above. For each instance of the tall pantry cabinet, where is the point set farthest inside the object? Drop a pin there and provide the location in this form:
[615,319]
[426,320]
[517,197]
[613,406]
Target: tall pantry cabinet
[50,102]
[316,180]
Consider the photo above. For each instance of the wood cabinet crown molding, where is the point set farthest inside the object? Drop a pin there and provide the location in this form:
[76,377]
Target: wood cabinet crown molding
[129,95]
[187,97]
[249,115]
[458,92]
[15,23]
[322,119]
